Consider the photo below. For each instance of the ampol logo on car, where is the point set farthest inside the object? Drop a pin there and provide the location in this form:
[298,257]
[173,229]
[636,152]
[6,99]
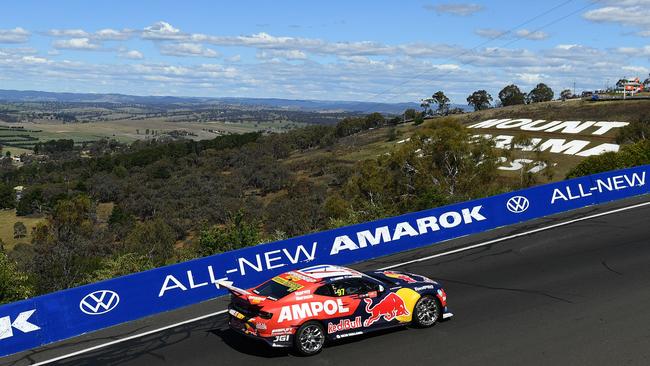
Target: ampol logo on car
[99,302]
[517,204]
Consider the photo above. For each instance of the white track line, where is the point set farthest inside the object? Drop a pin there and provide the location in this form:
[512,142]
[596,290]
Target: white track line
[117,341]
[513,236]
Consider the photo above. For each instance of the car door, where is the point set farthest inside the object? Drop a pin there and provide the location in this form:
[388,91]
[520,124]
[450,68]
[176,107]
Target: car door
[378,307]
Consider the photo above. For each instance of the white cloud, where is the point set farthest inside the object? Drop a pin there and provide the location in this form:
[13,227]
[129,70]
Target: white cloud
[112,34]
[627,13]
[531,35]
[285,54]
[187,49]
[492,33]
[634,51]
[106,34]
[460,9]
[162,31]
[76,33]
[355,70]
[18,51]
[35,60]
[16,35]
[131,54]
[235,58]
[531,78]
[84,44]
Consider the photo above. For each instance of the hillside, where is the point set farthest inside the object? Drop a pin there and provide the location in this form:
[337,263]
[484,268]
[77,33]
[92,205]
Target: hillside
[151,203]
[373,143]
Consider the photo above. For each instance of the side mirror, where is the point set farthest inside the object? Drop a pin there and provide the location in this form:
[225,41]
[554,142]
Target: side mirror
[381,288]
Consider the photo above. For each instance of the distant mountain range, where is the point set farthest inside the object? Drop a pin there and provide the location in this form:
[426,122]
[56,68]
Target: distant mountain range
[273,103]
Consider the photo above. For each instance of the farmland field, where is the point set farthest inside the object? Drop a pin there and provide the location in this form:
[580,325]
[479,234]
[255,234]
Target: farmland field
[21,137]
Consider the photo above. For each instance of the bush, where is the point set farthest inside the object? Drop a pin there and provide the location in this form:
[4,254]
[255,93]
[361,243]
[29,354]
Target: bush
[635,131]
[119,266]
[237,233]
[14,285]
[153,239]
[629,156]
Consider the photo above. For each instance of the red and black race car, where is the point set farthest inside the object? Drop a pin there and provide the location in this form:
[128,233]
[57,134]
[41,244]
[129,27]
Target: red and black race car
[306,308]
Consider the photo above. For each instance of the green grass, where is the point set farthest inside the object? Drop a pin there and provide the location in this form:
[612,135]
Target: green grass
[15,151]
[7,220]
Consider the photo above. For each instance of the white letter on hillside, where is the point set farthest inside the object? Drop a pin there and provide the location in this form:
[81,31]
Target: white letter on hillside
[559,147]
[606,126]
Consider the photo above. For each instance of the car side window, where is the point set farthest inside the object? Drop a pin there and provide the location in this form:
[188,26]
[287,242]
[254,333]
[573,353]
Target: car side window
[325,290]
[353,286]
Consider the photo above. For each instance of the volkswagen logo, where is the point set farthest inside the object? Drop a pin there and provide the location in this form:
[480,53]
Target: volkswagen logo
[518,204]
[99,302]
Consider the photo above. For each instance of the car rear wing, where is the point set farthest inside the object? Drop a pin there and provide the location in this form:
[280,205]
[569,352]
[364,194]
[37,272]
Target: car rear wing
[233,289]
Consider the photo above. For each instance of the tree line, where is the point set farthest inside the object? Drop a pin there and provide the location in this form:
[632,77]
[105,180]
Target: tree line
[439,103]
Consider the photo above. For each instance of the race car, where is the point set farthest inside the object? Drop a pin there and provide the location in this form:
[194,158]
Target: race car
[306,308]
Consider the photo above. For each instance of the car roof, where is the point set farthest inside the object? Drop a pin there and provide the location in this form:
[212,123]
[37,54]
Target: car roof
[316,276]
[326,273]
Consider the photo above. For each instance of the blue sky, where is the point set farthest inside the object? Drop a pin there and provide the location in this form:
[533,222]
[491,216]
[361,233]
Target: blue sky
[384,51]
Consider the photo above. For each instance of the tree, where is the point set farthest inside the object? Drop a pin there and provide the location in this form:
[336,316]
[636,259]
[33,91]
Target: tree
[14,285]
[67,246]
[374,120]
[237,233]
[20,230]
[410,114]
[426,107]
[511,95]
[442,101]
[480,100]
[442,163]
[31,201]
[7,196]
[153,239]
[566,94]
[541,93]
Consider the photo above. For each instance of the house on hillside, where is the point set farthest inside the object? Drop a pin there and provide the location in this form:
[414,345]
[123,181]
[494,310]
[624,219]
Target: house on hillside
[632,86]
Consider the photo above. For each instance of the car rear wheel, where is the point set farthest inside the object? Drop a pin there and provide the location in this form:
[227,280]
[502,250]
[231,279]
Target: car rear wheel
[426,311]
[309,339]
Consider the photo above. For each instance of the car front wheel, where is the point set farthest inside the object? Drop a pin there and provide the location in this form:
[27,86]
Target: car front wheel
[426,311]
[309,339]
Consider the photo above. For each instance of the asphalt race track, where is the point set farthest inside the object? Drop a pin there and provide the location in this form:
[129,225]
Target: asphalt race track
[574,295]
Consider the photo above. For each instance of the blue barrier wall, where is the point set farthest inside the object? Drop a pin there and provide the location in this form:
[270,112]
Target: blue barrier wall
[45,319]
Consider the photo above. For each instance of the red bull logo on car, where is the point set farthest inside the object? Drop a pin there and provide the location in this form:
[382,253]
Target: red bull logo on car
[390,307]
[400,276]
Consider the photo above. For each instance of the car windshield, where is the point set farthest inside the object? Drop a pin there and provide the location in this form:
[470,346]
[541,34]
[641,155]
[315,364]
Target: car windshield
[277,288]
